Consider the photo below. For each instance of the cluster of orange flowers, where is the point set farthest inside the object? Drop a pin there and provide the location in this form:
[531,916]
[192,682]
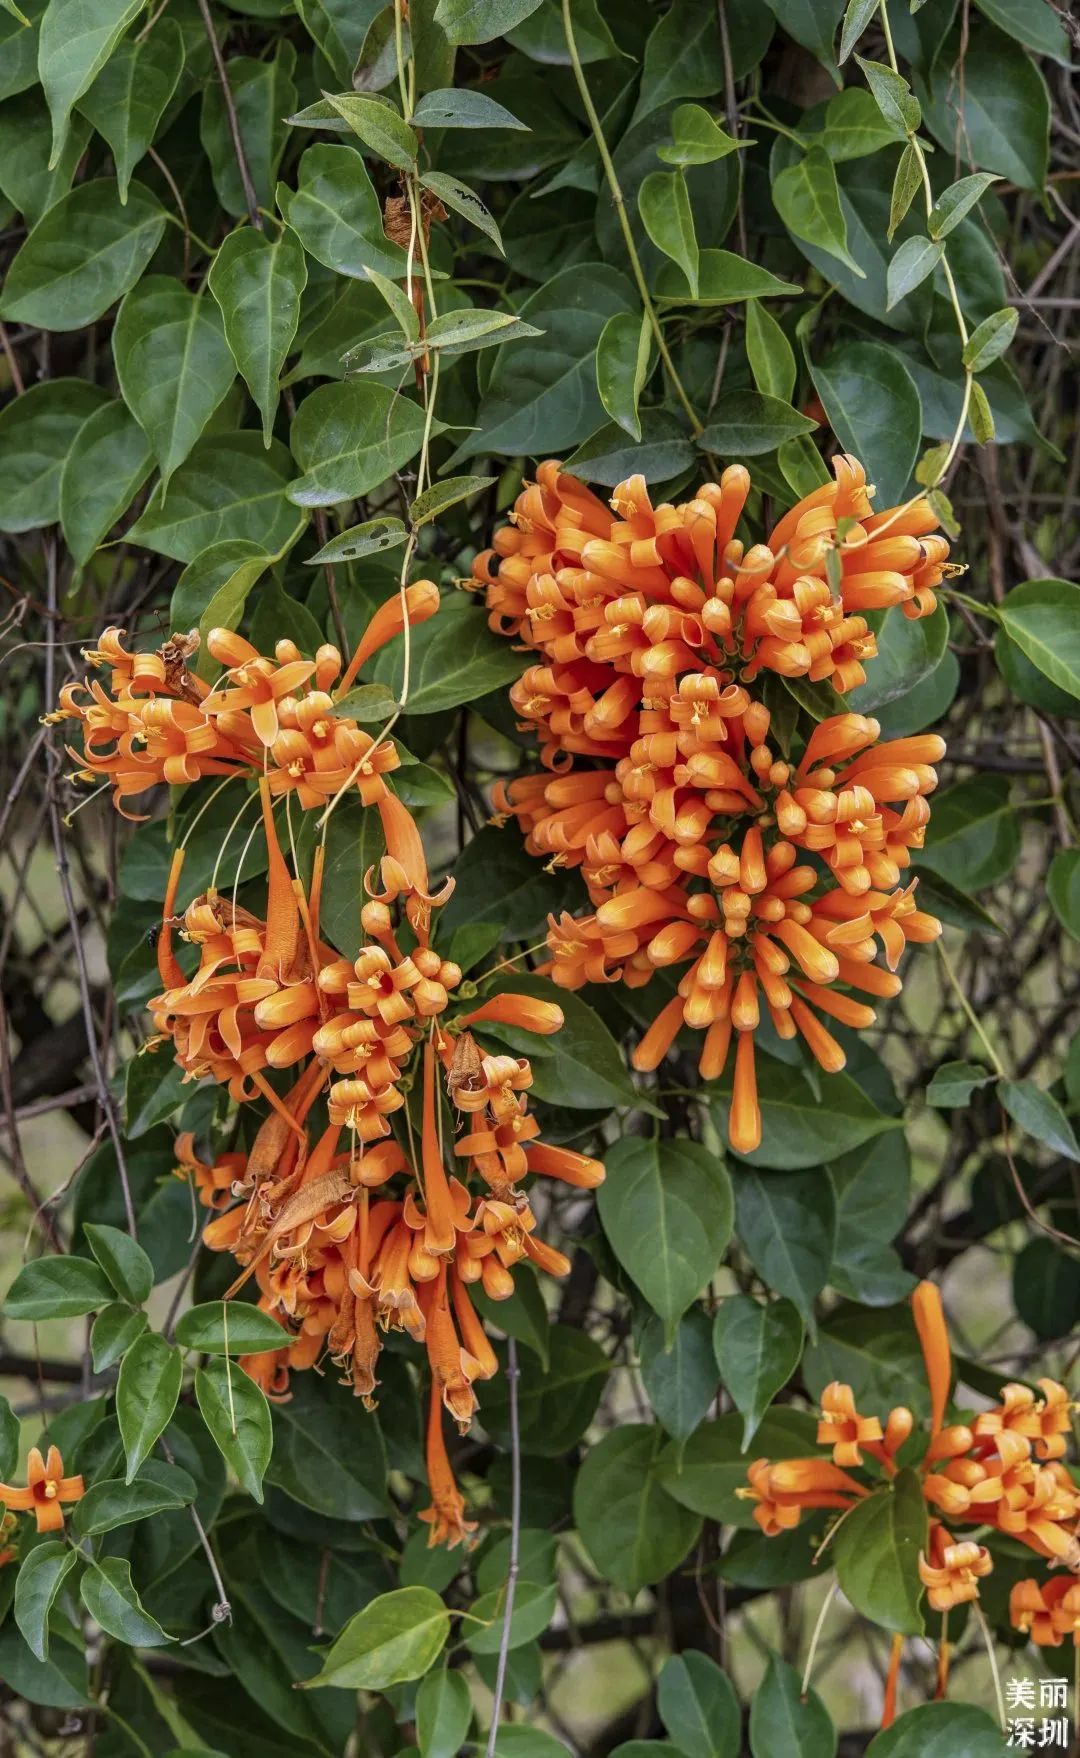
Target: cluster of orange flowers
[1001,1469]
[348,1230]
[691,830]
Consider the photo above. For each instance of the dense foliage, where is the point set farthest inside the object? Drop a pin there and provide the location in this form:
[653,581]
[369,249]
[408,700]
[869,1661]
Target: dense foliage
[454,834]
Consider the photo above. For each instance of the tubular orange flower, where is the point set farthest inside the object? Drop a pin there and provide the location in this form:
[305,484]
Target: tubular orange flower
[663,788]
[934,1342]
[953,1577]
[46,1490]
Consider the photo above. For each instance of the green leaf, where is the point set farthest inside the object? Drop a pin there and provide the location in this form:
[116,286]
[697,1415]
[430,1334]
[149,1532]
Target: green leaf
[990,339]
[108,1595]
[697,139]
[31,185]
[341,30]
[154,1089]
[348,438]
[233,1327]
[534,1604]
[443,1713]
[464,201]
[800,1128]
[463,332]
[76,39]
[370,538]
[758,1347]
[940,1730]
[257,282]
[909,650]
[37,434]
[146,1395]
[630,1526]
[916,258]
[664,206]
[705,1472]
[807,198]
[1046,1289]
[107,463]
[893,96]
[445,494]
[123,1260]
[906,183]
[747,423]
[772,360]
[609,455]
[10,1429]
[954,203]
[366,704]
[211,594]
[1037,28]
[954,1082]
[41,1576]
[698,1706]
[130,95]
[980,415]
[1063,889]
[541,397]
[1040,1115]
[1003,114]
[787,1223]
[684,54]
[667,1212]
[1043,618]
[82,256]
[230,487]
[876,1352]
[723,279]
[784,1723]
[57,1287]
[680,1381]
[876,1552]
[462,108]
[853,127]
[238,1416]
[311,1466]
[813,24]
[454,659]
[173,363]
[158,1489]
[856,18]
[622,366]
[113,1331]
[973,839]
[479,21]
[263,94]
[872,404]
[336,214]
[556,1406]
[396,1637]
[378,125]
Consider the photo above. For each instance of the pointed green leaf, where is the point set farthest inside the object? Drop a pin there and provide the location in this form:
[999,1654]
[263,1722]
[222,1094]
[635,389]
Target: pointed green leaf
[76,39]
[758,1346]
[632,1529]
[146,1395]
[622,365]
[337,216]
[348,438]
[893,96]
[906,183]
[954,203]
[1040,1115]
[915,259]
[786,1724]
[130,95]
[108,1595]
[680,1380]
[158,1489]
[698,1706]
[443,1713]
[38,432]
[787,1223]
[396,1637]
[370,538]
[746,423]
[230,487]
[876,1551]
[40,1579]
[123,1260]
[230,1327]
[664,206]
[378,125]
[771,357]
[697,139]
[106,465]
[113,1331]
[462,108]
[990,339]
[257,281]
[444,494]
[954,1083]
[82,256]
[464,201]
[173,363]
[667,1212]
[263,94]
[807,198]
[57,1287]
[238,1416]
[1043,618]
